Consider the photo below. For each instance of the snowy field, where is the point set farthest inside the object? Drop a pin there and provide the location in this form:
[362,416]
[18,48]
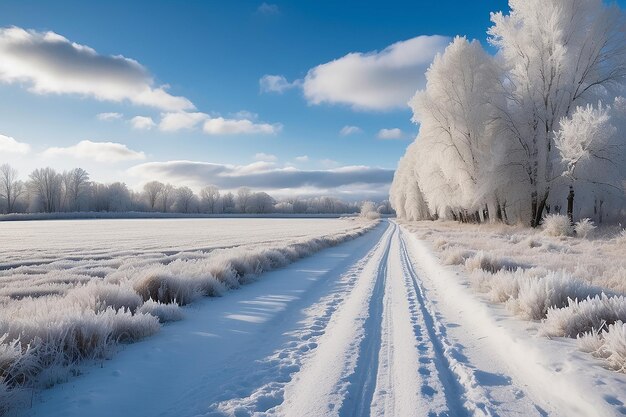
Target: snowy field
[72,290]
[570,286]
[375,326]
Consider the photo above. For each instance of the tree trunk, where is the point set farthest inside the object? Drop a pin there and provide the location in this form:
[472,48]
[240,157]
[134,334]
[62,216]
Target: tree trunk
[540,206]
[533,209]
[570,205]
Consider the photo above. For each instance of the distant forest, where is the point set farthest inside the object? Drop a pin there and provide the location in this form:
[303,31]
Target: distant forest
[49,191]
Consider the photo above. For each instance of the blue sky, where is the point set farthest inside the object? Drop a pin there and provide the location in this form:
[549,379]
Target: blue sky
[212,57]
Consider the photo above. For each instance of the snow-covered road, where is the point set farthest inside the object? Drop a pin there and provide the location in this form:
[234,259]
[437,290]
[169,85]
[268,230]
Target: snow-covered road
[360,329]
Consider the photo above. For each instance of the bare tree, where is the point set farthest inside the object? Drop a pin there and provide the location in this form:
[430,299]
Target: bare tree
[243,197]
[228,203]
[10,187]
[46,183]
[184,199]
[167,194]
[76,185]
[210,196]
[153,190]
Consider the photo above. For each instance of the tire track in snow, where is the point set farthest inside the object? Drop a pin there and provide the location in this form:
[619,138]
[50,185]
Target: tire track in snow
[463,394]
[276,371]
[360,392]
[398,383]
[327,378]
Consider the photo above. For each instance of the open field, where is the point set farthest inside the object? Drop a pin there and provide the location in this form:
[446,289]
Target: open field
[73,290]
[375,326]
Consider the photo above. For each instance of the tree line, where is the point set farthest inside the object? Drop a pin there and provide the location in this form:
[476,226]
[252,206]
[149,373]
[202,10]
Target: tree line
[537,128]
[49,191]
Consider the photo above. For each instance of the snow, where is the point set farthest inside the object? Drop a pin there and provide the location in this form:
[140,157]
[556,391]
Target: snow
[563,381]
[66,305]
[374,326]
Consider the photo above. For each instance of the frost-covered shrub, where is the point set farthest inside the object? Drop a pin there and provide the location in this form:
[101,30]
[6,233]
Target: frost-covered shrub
[99,296]
[584,228]
[536,296]
[557,225]
[372,215]
[615,346]
[531,242]
[487,262]
[590,342]
[530,293]
[368,211]
[166,287]
[164,312]
[608,344]
[584,316]
[455,256]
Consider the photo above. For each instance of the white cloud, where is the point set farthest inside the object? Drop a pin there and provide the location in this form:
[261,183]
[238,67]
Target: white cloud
[375,80]
[276,84]
[221,126]
[268,9]
[10,145]
[97,151]
[142,122]
[172,122]
[51,64]
[394,133]
[350,130]
[266,157]
[245,114]
[350,181]
[303,158]
[105,117]
[329,163]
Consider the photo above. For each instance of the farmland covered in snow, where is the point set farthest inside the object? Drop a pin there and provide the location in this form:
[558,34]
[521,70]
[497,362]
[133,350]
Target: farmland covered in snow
[72,290]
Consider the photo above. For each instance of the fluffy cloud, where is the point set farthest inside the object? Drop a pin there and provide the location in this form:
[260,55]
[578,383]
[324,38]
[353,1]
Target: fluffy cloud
[394,133]
[350,130]
[97,151]
[221,126]
[303,158]
[10,145]
[142,122]
[106,117]
[361,180]
[276,84]
[375,80]
[173,122]
[268,9]
[51,64]
[241,124]
[261,156]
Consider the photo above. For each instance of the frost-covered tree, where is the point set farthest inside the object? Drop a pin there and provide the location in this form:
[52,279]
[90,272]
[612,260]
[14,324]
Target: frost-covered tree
[243,197]
[489,124]
[210,198]
[228,203]
[76,184]
[558,54]
[260,202]
[46,186]
[455,112]
[167,196]
[185,200]
[153,190]
[11,188]
[585,145]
